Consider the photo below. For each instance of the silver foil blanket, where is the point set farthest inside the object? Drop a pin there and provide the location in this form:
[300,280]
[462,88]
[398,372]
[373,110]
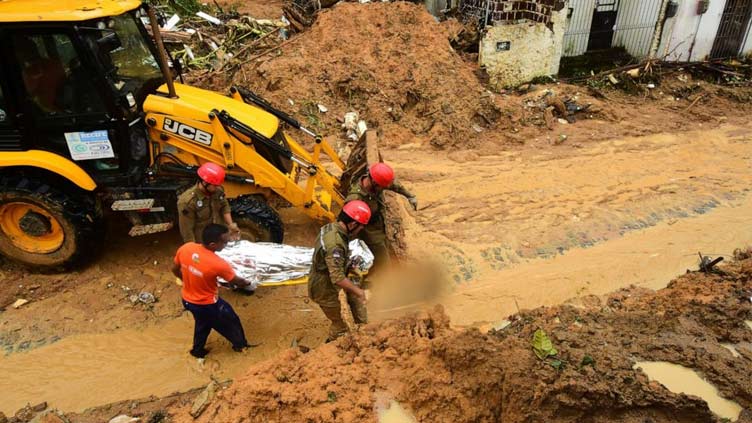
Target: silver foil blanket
[269,264]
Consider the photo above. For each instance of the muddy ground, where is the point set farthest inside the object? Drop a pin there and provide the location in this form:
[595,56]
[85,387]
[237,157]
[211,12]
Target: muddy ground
[446,375]
[521,211]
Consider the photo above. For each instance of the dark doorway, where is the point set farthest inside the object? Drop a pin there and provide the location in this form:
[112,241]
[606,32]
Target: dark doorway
[602,26]
[731,30]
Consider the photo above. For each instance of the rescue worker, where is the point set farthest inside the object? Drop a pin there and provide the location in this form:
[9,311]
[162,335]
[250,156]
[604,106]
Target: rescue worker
[369,188]
[198,267]
[328,268]
[205,203]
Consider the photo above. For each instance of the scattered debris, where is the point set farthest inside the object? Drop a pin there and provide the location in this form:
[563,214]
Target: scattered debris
[354,127]
[39,407]
[123,418]
[707,264]
[209,18]
[143,297]
[203,399]
[49,416]
[20,302]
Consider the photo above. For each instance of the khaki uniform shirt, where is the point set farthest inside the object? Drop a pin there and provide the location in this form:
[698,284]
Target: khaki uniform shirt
[328,265]
[196,211]
[374,232]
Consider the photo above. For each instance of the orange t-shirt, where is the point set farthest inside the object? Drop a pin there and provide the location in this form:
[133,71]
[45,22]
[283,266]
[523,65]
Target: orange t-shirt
[200,268]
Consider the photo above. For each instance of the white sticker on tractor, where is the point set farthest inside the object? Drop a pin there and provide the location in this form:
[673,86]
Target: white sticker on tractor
[89,145]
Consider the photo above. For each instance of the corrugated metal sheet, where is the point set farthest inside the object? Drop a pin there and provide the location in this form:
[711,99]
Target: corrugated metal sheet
[633,28]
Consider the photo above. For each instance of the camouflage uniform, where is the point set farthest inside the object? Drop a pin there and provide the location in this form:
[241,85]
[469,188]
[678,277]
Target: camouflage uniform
[374,234]
[327,268]
[197,210]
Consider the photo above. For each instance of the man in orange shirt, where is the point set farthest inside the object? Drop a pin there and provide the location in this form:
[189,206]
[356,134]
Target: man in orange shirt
[199,267]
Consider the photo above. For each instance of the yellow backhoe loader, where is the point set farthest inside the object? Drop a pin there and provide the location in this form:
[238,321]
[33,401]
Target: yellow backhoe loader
[90,118]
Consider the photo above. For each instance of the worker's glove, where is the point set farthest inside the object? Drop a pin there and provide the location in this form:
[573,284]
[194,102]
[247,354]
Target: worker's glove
[413,202]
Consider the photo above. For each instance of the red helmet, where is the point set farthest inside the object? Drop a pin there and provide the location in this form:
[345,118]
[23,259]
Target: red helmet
[382,174]
[358,211]
[211,173]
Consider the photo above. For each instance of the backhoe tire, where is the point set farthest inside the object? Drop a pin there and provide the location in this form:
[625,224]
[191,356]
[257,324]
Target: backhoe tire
[257,220]
[44,227]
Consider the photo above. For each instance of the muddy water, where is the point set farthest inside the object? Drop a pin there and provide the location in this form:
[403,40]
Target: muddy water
[85,370]
[520,230]
[679,379]
[648,258]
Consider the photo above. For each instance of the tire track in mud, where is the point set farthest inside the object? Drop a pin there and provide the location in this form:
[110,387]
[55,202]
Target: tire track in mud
[545,228]
[536,205]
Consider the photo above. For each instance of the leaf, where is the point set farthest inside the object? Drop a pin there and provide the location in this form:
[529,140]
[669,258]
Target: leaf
[556,364]
[542,345]
[331,396]
[587,361]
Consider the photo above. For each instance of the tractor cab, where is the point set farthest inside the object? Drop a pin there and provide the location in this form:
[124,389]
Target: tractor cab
[75,88]
[90,119]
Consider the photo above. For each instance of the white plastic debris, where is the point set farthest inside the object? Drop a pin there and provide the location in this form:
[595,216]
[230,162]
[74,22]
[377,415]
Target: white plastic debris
[213,46]
[190,31]
[362,128]
[124,419]
[209,18]
[651,86]
[189,52]
[351,125]
[322,108]
[292,103]
[20,302]
[171,22]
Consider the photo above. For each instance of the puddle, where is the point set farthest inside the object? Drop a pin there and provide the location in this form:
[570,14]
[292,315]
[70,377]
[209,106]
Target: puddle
[116,366]
[395,414]
[679,379]
[732,348]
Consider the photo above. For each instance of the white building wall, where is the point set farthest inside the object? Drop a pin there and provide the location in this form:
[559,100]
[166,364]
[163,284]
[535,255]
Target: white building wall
[689,36]
[534,50]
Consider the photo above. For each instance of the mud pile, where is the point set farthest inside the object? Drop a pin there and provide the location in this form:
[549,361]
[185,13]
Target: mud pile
[390,62]
[441,374]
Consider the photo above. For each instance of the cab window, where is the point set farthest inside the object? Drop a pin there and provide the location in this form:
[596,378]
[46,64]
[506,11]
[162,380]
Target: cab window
[53,76]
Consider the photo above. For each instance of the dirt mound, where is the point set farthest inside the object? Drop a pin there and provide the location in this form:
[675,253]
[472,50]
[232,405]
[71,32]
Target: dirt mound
[390,62]
[445,375]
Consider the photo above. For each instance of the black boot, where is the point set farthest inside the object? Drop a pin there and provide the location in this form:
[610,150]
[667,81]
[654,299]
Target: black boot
[199,353]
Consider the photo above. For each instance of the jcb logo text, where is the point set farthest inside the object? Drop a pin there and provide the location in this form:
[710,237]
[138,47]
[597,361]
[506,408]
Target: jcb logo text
[186,131]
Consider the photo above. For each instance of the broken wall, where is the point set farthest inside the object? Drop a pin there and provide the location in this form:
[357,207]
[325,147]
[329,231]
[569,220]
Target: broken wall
[524,39]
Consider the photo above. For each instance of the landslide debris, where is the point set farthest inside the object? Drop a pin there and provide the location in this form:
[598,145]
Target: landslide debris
[440,374]
[390,62]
